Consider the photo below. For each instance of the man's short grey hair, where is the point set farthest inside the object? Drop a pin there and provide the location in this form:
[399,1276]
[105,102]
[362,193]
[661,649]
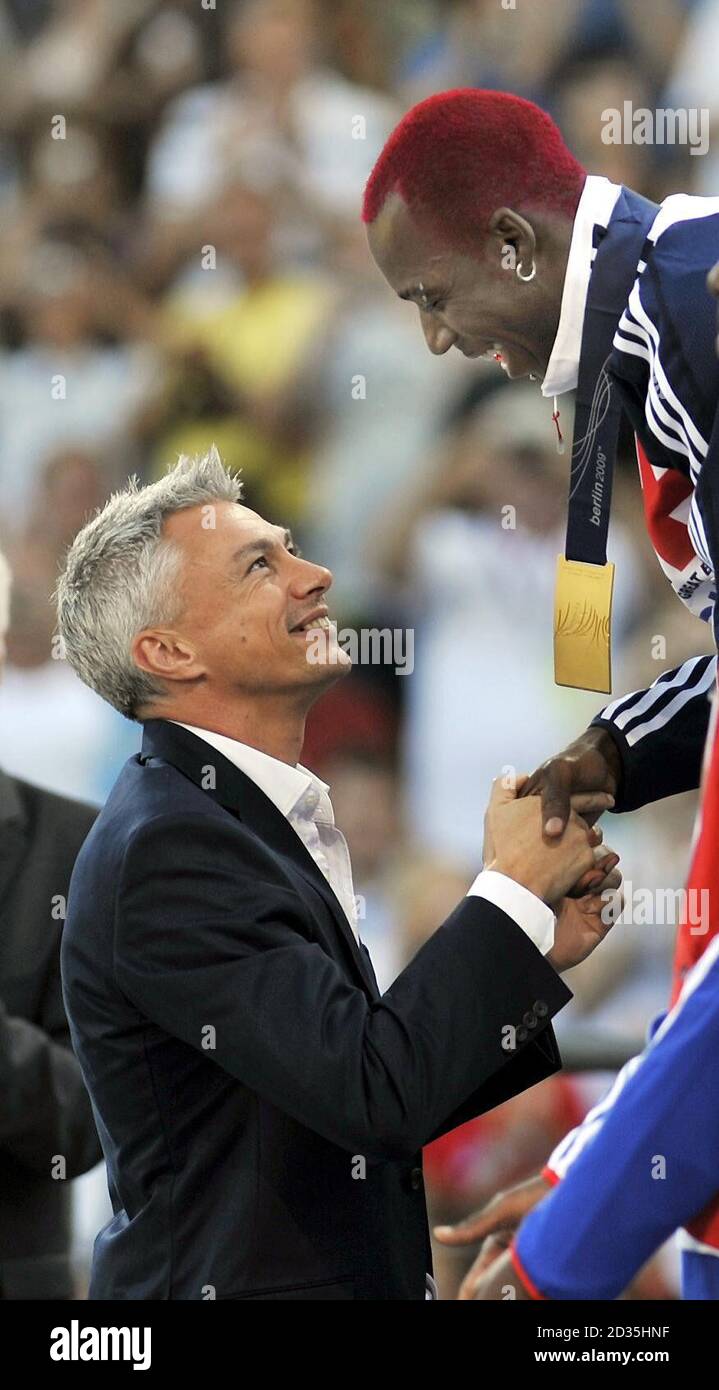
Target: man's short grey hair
[122,575]
[5,587]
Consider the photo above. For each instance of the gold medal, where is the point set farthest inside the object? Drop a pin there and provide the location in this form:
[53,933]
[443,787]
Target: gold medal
[582,625]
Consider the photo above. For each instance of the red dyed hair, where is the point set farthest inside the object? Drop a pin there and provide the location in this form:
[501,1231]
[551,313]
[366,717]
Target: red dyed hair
[457,156]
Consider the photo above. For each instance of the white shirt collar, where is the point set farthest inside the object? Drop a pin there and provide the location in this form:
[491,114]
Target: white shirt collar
[596,206]
[285,785]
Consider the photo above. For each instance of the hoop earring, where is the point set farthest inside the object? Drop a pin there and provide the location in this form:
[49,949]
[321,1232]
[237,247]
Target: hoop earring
[532,273]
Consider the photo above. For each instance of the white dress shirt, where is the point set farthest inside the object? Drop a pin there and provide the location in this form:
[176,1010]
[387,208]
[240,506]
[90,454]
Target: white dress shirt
[596,206]
[304,800]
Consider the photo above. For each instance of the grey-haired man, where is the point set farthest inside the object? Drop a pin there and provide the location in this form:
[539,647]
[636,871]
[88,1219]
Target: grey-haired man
[262,1109]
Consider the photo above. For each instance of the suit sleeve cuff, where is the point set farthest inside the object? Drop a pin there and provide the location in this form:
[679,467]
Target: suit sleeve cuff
[528,911]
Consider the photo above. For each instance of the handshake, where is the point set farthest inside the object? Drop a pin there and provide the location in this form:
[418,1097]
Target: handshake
[542,835]
[570,873]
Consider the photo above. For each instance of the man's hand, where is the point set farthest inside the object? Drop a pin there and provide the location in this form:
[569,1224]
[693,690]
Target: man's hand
[591,765]
[514,845]
[582,922]
[495,1225]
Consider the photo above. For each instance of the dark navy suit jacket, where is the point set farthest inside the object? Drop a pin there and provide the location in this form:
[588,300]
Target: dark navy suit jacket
[261,1108]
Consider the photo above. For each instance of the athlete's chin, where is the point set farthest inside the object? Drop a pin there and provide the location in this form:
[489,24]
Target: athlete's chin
[518,363]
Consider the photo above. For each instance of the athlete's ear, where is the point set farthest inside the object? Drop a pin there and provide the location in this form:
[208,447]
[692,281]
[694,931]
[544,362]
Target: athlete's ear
[511,229]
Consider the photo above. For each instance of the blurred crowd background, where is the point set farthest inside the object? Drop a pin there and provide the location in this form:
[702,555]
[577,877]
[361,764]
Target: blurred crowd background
[182,261]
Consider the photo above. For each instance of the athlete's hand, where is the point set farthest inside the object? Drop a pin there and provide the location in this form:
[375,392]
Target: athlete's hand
[590,766]
[494,1224]
[500,1283]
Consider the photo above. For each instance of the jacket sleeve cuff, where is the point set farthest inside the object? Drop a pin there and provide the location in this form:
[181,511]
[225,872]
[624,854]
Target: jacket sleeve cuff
[528,911]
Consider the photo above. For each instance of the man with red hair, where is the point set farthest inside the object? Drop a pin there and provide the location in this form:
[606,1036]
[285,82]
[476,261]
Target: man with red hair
[478,213]
[468,184]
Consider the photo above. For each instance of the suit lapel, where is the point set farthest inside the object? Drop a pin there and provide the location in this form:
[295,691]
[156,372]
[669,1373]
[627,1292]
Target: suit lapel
[233,789]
